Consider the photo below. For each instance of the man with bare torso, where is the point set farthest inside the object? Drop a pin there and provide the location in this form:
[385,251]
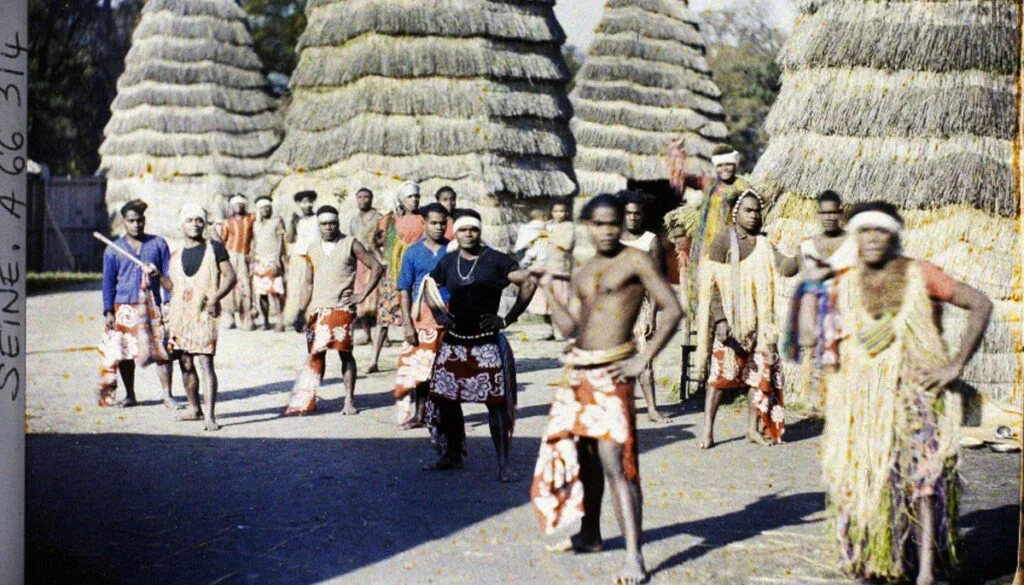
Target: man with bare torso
[594,421]
[268,262]
[363,227]
[635,236]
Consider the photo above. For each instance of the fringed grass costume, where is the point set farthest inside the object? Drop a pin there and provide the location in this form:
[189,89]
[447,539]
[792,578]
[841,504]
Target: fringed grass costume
[887,440]
[750,358]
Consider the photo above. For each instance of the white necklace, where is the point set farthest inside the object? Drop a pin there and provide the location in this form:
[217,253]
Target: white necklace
[468,278]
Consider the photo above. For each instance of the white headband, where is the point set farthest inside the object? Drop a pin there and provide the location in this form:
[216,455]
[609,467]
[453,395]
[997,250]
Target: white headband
[329,215]
[466,221]
[729,158]
[407,189]
[239,199]
[190,210]
[874,219]
[263,203]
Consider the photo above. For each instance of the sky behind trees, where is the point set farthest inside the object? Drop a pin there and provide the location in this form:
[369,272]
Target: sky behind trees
[579,17]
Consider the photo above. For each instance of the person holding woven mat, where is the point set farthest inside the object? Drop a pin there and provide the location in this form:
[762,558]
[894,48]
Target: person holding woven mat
[133,332]
[363,227]
[591,433]
[474,361]
[200,275]
[423,334]
[635,236]
[236,233]
[736,317]
[890,444]
[331,303]
[397,230]
[268,263]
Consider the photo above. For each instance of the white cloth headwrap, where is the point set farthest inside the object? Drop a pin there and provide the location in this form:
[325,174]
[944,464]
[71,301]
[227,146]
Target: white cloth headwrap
[329,215]
[264,202]
[190,210]
[239,199]
[409,188]
[728,158]
[874,219]
[466,221]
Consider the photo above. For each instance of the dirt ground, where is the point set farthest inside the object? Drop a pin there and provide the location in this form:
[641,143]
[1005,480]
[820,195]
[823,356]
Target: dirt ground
[134,497]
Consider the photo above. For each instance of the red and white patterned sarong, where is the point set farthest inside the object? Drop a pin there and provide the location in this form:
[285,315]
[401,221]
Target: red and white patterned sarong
[760,369]
[594,406]
[416,364]
[138,335]
[327,329]
[267,277]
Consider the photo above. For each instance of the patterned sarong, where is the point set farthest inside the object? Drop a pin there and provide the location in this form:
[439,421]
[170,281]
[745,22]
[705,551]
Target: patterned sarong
[754,368]
[327,329]
[138,335]
[267,277]
[415,367]
[594,406]
[470,373]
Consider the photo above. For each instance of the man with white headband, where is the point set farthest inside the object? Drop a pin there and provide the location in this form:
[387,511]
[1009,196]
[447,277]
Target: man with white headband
[714,212]
[474,362]
[397,231]
[332,304]
[890,444]
[268,262]
[736,322]
[200,276]
[236,233]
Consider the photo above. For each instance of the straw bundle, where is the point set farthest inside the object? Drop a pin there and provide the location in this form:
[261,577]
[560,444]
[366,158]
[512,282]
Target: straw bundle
[193,120]
[462,92]
[644,84]
[914,102]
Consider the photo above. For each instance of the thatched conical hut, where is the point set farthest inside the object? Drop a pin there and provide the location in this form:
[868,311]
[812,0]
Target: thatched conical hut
[914,102]
[468,93]
[193,119]
[644,84]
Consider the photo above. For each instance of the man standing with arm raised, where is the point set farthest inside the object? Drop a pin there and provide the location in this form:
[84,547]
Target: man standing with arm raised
[591,433]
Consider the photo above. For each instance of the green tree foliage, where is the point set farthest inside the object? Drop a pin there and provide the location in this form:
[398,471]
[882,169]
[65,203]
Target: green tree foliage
[742,47]
[77,50]
[276,26]
[574,58]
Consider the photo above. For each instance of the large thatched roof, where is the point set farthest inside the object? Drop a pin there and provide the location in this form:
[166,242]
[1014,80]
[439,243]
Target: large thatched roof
[644,84]
[914,102]
[462,92]
[192,120]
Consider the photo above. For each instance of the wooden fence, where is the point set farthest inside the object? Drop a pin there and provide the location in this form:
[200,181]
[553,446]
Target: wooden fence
[62,214]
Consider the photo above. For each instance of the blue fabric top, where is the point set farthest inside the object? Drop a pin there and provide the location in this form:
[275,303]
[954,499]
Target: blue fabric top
[417,262]
[122,278]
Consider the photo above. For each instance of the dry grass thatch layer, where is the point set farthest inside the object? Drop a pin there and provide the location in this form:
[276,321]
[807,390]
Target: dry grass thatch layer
[167,24]
[405,57]
[248,145]
[417,136]
[337,23]
[178,120]
[917,36]
[219,9]
[177,73]
[192,50]
[916,173]
[171,168]
[645,84]
[233,100]
[865,102]
[432,96]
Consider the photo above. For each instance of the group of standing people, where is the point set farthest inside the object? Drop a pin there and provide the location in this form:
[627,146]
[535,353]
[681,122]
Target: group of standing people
[864,318]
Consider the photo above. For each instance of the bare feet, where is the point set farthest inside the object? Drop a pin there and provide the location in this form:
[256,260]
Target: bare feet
[708,441]
[373,369]
[411,424]
[349,408]
[632,572]
[211,425]
[279,328]
[655,415]
[506,475]
[172,404]
[577,543]
[445,463]
[293,411]
[267,326]
[191,415]
[127,402]
[757,439]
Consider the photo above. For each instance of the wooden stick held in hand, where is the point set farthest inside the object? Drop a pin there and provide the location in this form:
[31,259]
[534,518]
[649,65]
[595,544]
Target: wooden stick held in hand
[118,249]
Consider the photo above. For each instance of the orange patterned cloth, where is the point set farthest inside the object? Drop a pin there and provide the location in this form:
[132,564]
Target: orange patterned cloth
[595,406]
[327,329]
[755,368]
[138,335]
[416,363]
[237,233]
[267,277]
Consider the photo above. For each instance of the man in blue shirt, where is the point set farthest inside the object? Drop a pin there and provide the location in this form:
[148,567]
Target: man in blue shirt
[133,323]
[422,332]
